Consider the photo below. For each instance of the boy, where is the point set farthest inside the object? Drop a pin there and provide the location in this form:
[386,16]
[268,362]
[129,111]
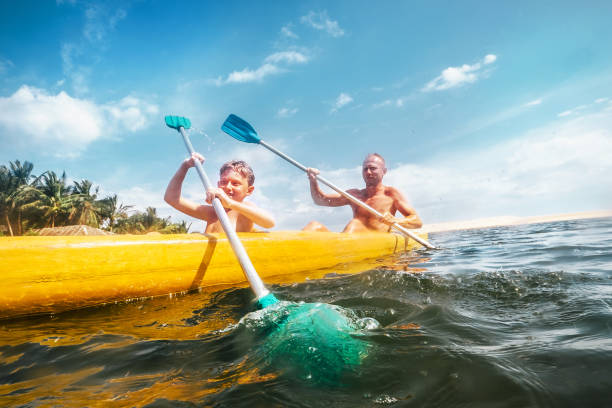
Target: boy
[235,184]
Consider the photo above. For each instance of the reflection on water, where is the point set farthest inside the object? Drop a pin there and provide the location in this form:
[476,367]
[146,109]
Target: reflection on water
[515,316]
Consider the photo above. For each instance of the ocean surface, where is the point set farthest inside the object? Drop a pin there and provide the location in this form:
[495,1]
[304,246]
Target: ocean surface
[515,316]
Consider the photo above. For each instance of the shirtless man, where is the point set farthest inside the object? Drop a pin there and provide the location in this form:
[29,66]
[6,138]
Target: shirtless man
[236,180]
[386,200]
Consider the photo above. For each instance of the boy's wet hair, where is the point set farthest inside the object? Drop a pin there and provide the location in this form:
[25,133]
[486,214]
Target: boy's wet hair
[241,167]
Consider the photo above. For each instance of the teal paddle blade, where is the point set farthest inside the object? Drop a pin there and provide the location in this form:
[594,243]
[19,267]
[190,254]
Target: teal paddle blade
[240,129]
[267,300]
[316,342]
[175,122]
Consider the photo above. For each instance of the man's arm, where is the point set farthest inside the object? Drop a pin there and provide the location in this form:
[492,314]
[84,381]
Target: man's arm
[173,193]
[319,197]
[411,218]
[249,210]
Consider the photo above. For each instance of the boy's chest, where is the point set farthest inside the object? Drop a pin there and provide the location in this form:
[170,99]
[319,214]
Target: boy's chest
[238,222]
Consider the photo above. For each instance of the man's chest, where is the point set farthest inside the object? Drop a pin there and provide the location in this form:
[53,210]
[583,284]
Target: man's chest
[380,202]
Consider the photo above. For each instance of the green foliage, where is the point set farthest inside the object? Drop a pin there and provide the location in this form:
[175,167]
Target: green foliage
[28,202]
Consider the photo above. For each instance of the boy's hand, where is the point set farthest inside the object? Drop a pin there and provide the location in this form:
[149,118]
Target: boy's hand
[220,194]
[312,173]
[190,161]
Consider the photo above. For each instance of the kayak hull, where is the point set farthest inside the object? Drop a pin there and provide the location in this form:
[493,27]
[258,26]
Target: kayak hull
[42,275]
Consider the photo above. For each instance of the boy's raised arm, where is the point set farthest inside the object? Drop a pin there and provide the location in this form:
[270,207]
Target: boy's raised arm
[175,199]
[249,210]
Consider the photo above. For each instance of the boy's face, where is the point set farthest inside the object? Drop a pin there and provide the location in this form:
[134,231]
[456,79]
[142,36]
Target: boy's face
[235,185]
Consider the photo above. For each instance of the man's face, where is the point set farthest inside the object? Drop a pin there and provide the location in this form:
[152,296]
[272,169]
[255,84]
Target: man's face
[373,170]
[235,185]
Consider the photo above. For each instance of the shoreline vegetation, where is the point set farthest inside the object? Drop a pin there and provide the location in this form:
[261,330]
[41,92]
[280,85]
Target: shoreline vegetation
[29,203]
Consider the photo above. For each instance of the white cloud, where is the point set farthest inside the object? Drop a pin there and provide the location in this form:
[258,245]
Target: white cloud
[286,112]
[143,196]
[5,65]
[130,113]
[290,57]
[453,77]
[320,21]
[78,74]
[562,167]
[66,125]
[269,67]
[342,100]
[565,113]
[489,59]
[247,75]
[77,59]
[383,104]
[99,20]
[398,103]
[534,102]
[601,100]
[287,31]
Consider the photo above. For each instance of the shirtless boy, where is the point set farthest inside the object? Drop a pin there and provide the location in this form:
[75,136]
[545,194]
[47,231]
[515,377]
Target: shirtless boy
[385,199]
[236,180]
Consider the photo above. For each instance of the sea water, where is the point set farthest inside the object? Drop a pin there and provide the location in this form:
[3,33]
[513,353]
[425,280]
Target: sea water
[502,317]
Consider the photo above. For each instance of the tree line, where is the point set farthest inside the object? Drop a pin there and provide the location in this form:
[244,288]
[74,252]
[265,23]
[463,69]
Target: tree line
[29,202]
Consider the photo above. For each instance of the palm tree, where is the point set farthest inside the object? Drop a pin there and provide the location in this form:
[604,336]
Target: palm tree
[86,210]
[22,174]
[180,228]
[7,189]
[50,195]
[150,220]
[112,212]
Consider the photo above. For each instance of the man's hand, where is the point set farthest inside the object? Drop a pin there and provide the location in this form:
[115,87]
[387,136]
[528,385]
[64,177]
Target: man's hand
[312,173]
[388,219]
[190,161]
[220,194]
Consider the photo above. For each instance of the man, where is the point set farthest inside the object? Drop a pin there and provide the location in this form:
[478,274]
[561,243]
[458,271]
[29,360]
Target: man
[385,199]
[236,180]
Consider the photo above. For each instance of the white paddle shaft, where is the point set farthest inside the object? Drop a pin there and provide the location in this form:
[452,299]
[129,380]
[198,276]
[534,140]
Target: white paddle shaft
[352,199]
[245,262]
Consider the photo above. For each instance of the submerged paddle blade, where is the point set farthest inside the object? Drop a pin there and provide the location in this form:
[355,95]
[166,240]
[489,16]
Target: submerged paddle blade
[267,300]
[176,122]
[240,129]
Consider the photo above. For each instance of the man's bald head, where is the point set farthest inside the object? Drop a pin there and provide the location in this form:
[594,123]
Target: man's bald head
[373,169]
[375,155]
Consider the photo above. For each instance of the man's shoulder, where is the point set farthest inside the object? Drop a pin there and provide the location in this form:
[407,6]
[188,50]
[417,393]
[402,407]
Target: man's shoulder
[357,192]
[393,192]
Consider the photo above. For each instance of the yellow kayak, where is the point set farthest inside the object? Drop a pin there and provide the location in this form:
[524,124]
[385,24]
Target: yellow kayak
[58,273]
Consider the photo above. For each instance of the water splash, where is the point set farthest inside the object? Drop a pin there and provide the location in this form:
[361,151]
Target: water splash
[202,132]
[316,342]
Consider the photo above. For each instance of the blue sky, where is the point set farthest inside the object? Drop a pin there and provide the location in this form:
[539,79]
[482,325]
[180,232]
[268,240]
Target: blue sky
[480,108]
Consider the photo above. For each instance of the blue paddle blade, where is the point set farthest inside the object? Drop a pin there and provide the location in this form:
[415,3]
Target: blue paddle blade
[240,129]
[176,122]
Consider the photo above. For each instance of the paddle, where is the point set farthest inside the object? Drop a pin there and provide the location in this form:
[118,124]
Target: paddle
[264,297]
[316,339]
[241,130]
